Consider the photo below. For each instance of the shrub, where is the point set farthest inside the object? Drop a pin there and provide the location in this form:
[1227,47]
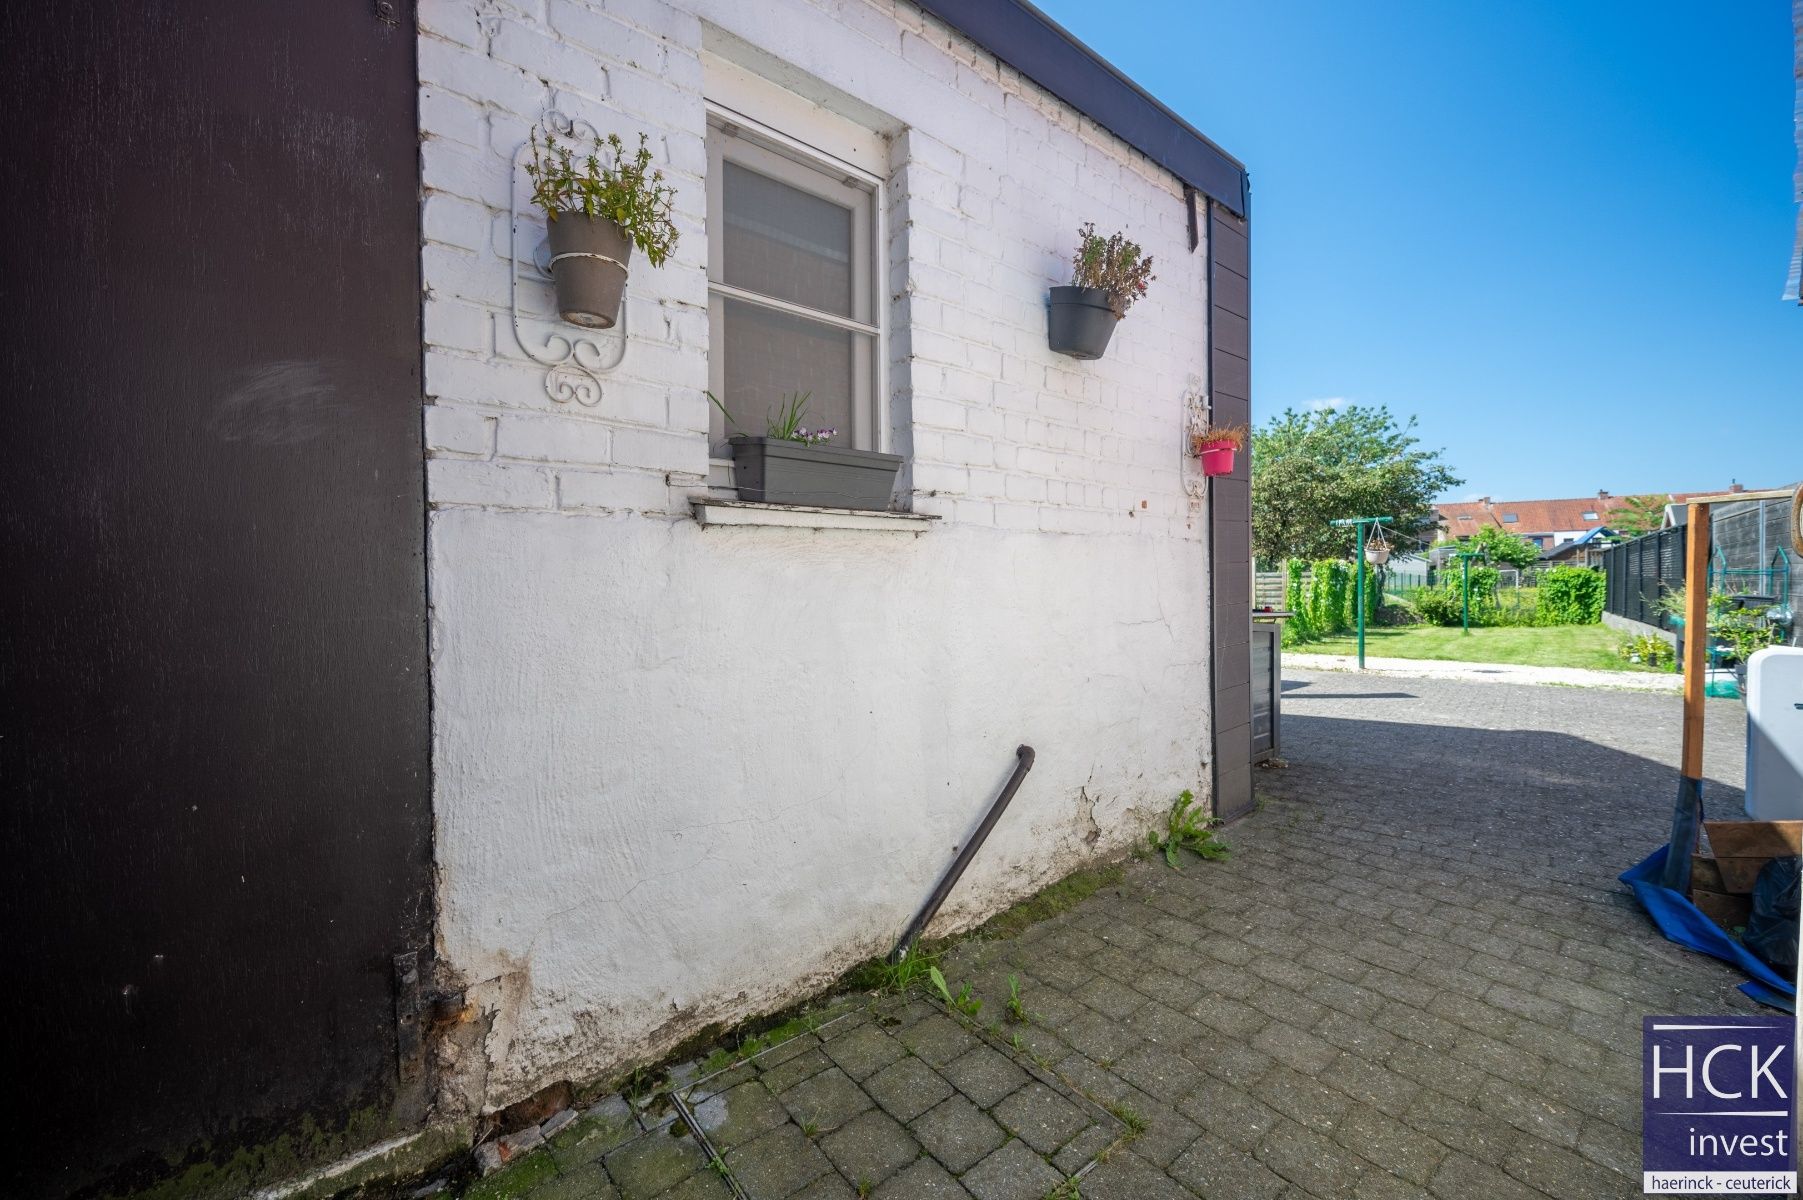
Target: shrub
[1647,650]
[1299,628]
[1446,605]
[1571,596]
[1328,597]
[1437,606]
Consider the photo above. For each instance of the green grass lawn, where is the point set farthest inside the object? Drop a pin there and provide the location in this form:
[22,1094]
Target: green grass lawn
[1592,646]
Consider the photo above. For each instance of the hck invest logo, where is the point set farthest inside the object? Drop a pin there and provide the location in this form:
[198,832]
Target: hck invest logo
[1720,1117]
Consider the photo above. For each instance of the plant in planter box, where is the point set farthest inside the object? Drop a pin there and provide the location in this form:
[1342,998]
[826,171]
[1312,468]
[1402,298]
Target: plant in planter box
[1107,275]
[599,206]
[1216,445]
[792,464]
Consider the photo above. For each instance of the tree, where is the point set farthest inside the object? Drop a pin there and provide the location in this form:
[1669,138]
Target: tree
[1310,468]
[1636,515]
[1499,546]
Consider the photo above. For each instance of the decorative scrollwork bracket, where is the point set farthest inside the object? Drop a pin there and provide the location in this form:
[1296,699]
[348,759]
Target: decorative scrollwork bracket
[574,363]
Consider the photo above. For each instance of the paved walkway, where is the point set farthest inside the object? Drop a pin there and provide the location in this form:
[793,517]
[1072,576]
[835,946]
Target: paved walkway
[1416,977]
[1422,668]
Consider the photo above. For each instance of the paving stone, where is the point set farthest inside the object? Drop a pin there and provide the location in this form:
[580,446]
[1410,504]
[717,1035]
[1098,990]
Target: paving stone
[653,1163]
[593,1134]
[705,1185]
[780,1162]
[1378,1087]
[827,1187]
[938,1039]
[1559,1172]
[795,1069]
[958,1134]
[1303,1100]
[985,1075]
[1110,998]
[925,1180]
[1075,1154]
[907,1088]
[871,1147]
[1390,1144]
[1311,1161]
[1229,1113]
[1011,1173]
[1211,1167]
[586,1182]
[1450,1123]
[864,1051]
[1233,1062]
[735,1117]
[1462,1178]
[1298,1048]
[826,1101]
[1040,1117]
[1127,1177]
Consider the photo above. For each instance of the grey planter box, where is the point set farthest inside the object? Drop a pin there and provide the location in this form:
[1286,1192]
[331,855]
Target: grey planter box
[776,471]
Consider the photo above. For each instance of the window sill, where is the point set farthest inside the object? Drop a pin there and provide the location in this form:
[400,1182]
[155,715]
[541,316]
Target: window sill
[797,516]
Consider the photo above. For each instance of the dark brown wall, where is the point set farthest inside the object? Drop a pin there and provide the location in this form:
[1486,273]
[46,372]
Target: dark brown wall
[1230,510]
[213,722]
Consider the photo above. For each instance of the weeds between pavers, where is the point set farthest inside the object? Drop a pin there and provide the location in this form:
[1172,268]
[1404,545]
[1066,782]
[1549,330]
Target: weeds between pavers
[1187,828]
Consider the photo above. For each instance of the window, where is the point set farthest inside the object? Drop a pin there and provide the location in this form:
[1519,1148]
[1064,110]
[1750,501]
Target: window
[793,272]
[1509,518]
[1590,516]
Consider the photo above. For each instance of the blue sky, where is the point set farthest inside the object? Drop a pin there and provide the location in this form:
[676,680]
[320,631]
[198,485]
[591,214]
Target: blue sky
[1554,232]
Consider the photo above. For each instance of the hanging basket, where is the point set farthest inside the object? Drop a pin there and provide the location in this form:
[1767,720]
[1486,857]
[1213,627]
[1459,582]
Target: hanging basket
[1217,457]
[1377,549]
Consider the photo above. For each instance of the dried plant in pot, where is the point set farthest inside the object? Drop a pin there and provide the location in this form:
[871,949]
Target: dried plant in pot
[598,206]
[1216,446]
[793,464]
[1107,275]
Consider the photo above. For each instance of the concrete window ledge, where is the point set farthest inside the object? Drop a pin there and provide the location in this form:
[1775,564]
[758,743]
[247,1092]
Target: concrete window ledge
[797,516]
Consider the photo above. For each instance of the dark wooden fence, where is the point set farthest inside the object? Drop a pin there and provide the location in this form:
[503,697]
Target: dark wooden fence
[1639,573]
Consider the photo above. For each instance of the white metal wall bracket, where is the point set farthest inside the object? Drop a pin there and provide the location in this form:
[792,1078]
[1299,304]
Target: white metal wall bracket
[574,363]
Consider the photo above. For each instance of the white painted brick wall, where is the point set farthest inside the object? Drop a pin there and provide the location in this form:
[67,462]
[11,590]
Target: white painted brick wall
[992,178]
[632,840]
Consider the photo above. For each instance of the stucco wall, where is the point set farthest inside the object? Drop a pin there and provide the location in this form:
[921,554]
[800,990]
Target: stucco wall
[684,774]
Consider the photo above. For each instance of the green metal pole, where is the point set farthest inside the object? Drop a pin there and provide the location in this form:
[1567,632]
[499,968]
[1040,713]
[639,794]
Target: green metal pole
[1361,596]
[1465,562]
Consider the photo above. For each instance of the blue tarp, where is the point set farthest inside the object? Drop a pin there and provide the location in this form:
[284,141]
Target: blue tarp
[1683,922]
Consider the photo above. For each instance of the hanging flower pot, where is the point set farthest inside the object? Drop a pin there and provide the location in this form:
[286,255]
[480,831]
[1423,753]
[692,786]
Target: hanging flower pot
[590,251]
[589,257]
[1107,275]
[1080,322]
[1217,446]
[1217,457]
[1377,550]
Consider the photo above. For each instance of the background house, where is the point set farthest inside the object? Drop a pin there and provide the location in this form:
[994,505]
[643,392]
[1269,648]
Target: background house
[400,724]
[1546,523]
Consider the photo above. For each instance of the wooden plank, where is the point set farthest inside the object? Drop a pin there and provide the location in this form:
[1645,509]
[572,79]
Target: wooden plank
[1705,876]
[1740,874]
[1754,839]
[1730,912]
[1696,623]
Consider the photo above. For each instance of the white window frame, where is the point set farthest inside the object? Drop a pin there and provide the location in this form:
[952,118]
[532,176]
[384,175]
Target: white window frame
[736,98]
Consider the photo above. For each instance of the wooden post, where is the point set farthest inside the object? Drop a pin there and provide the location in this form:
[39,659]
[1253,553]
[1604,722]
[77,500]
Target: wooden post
[1696,637]
[1687,812]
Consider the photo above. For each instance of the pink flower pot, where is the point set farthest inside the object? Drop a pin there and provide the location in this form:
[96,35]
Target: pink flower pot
[1217,458]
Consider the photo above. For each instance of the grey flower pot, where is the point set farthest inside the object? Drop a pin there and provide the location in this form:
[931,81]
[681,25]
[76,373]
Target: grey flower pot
[589,256]
[1080,322]
[778,471]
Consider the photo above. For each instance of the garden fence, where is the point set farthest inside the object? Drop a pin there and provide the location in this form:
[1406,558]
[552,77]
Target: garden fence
[1640,572]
